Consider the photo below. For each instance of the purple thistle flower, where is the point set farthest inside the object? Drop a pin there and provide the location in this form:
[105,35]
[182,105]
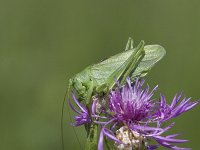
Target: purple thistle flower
[131,117]
[133,112]
[83,116]
[166,112]
[131,104]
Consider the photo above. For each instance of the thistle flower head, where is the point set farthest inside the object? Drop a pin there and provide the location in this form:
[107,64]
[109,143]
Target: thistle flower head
[131,118]
[135,118]
[131,103]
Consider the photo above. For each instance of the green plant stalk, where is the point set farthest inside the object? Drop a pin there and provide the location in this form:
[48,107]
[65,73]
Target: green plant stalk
[92,137]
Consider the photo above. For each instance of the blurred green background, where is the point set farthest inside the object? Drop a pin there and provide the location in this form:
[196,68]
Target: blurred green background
[44,42]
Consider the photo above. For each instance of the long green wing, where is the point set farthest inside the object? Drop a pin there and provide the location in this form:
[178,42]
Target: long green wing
[101,71]
[153,53]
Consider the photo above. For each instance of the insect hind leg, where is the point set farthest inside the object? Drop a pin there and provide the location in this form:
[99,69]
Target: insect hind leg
[129,44]
[138,57]
[127,67]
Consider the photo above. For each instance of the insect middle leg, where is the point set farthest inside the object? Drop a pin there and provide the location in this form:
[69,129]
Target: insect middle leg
[89,92]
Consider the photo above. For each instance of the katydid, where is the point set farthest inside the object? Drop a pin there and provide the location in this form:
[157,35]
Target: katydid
[100,78]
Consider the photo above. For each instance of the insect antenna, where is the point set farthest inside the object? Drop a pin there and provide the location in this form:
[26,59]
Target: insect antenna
[70,117]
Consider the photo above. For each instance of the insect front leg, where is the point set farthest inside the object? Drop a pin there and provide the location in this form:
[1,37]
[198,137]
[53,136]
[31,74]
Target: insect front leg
[89,91]
[91,128]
